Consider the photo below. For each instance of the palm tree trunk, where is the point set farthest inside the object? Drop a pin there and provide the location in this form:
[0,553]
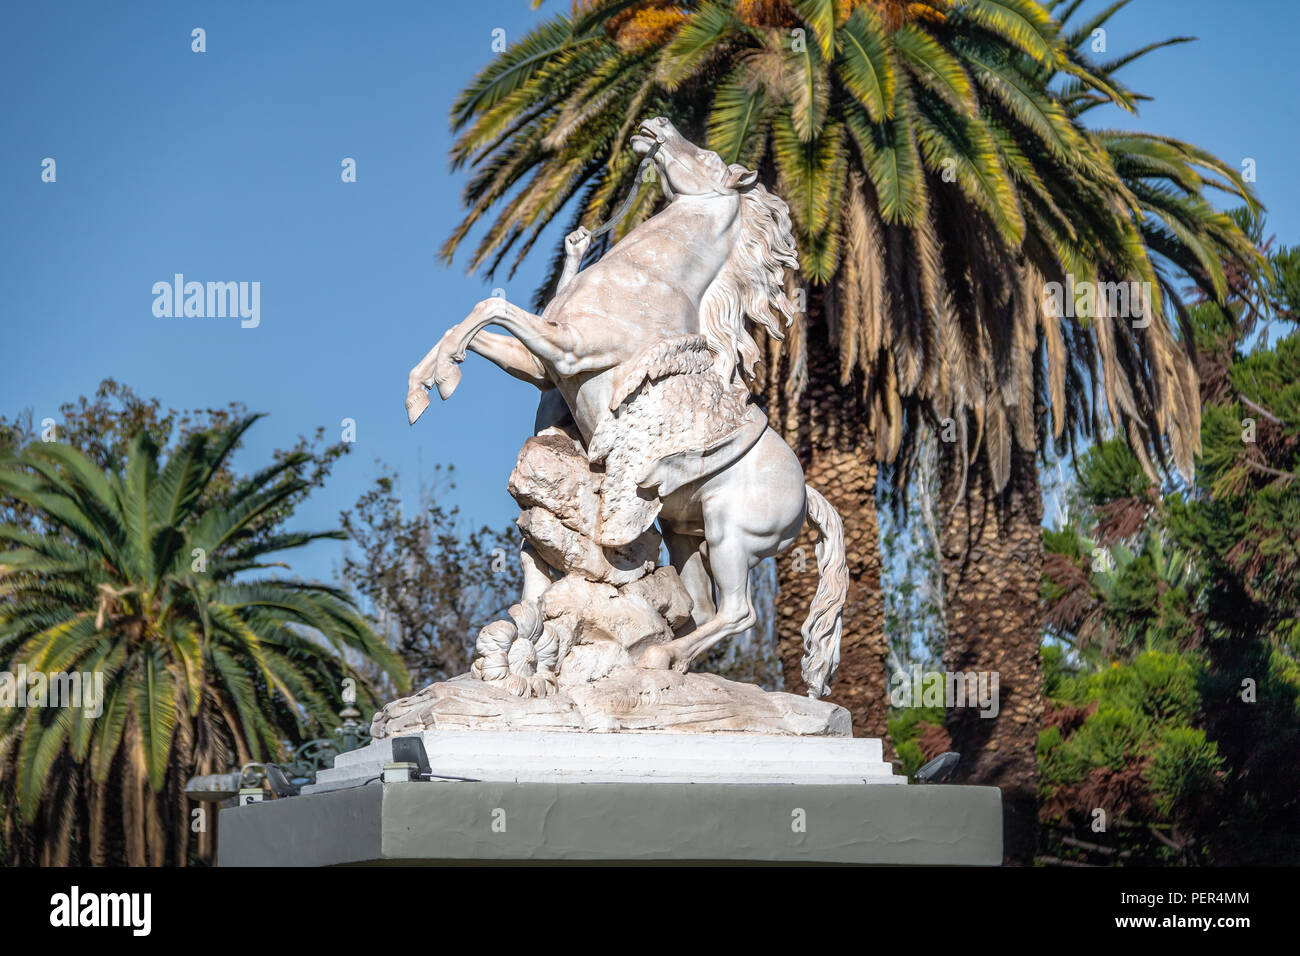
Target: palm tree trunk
[992,562]
[97,798]
[828,428]
[134,786]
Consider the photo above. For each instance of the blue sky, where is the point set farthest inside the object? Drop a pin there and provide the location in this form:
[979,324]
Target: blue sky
[225,166]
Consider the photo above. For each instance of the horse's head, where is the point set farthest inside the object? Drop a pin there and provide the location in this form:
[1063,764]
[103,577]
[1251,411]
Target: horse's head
[686,169]
[753,245]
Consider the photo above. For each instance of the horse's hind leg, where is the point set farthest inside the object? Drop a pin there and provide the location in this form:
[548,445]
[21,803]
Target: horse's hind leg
[687,555]
[730,559]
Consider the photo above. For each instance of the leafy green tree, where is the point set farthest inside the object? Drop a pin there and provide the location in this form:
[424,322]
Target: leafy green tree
[1127,775]
[1241,526]
[139,570]
[1174,662]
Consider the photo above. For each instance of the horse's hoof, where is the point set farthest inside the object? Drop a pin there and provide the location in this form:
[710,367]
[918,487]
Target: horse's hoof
[417,400]
[447,378]
[656,657]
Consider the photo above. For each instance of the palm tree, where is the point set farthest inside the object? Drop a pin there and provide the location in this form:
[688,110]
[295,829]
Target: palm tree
[939,177]
[142,573]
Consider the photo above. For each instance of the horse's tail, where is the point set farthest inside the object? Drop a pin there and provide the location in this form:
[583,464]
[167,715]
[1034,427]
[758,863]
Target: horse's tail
[821,632]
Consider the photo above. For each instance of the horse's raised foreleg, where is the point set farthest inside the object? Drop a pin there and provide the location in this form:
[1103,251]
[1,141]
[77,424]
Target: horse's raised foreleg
[438,367]
[565,349]
[576,244]
[509,355]
[503,351]
[559,347]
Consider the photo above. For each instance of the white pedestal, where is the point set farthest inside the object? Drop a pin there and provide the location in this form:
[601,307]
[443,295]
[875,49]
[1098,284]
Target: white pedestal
[570,757]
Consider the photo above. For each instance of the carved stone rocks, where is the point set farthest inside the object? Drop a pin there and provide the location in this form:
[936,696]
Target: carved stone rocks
[567,657]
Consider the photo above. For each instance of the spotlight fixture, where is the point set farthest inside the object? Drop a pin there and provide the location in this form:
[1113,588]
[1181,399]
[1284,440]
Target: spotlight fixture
[280,784]
[939,769]
[411,750]
[410,762]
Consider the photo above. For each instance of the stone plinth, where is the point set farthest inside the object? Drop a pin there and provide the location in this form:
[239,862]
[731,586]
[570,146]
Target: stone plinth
[559,822]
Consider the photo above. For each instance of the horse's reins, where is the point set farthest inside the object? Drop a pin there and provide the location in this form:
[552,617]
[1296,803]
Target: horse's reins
[632,193]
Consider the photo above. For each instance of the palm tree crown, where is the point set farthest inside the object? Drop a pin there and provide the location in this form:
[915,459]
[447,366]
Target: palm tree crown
[139,573]
[939,177]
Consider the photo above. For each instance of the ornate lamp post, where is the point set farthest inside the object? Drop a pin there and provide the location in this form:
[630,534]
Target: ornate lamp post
[320,752]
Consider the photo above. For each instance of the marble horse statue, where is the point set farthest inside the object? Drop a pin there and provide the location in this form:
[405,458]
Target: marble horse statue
[646,355]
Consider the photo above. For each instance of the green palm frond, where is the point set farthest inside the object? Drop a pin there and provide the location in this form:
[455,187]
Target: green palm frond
[1023,24]
[866,63]
[711,26]
[511,71]
[806,88]
[741,117]
[820,15]
[893,165]
[105,587]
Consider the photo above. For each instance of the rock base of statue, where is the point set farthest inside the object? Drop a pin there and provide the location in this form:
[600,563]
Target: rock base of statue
[627,698]
[570,655]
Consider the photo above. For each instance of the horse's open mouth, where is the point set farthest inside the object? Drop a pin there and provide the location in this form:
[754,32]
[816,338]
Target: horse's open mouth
[643,139]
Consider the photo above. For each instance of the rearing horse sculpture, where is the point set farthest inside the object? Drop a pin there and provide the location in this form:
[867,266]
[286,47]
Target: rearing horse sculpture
[646,345]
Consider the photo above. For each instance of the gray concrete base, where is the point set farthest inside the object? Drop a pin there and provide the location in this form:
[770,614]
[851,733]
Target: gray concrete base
[506,822]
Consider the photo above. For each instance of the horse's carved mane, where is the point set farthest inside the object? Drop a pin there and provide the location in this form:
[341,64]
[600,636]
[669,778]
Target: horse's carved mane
[751,284]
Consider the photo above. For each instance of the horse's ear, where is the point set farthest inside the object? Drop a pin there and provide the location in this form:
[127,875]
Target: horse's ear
[739,178]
